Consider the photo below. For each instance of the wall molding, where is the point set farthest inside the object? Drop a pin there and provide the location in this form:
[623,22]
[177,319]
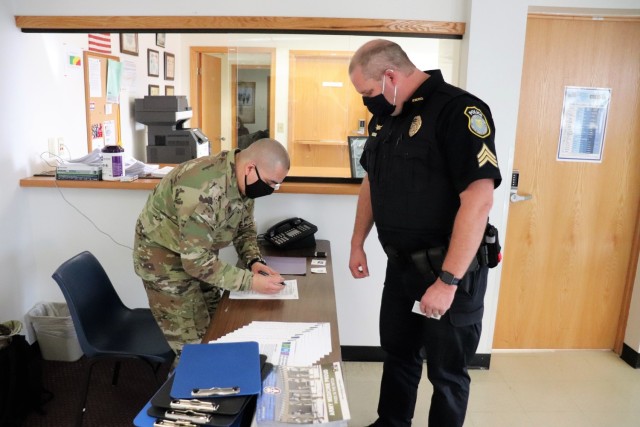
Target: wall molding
[180,24]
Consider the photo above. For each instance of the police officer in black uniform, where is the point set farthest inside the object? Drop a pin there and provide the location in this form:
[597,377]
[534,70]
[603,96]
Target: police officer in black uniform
[431,172]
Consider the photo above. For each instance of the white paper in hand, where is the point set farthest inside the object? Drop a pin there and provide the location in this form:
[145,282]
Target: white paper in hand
[416,309]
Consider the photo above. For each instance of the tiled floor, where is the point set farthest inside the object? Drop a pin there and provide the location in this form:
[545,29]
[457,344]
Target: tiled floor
[551,389]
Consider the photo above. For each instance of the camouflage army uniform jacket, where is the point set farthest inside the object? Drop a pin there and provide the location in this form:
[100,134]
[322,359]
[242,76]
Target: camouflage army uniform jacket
[195,211]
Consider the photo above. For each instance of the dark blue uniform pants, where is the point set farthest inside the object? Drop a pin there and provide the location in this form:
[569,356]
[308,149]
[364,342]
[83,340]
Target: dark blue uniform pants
[448,351]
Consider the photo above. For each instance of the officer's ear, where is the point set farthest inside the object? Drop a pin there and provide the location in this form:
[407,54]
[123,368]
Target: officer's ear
[391,74]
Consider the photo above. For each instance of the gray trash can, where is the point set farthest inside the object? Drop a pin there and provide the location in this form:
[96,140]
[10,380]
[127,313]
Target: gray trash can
[55,331]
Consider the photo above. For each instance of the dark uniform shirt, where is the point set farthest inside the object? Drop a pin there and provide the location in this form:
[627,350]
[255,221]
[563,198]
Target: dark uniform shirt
[420,161]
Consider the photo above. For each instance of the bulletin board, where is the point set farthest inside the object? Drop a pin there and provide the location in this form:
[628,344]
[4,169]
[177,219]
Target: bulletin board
[102,116]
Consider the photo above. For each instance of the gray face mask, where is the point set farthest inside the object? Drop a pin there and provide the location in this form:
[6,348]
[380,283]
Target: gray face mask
[378,105]
[258,188]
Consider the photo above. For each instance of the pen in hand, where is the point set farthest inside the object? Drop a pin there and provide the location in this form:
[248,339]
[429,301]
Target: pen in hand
[264,273]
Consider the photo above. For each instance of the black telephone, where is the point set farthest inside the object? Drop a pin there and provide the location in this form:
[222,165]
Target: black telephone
[292,233]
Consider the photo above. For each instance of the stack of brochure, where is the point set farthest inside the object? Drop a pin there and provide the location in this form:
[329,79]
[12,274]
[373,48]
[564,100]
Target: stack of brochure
[303,395]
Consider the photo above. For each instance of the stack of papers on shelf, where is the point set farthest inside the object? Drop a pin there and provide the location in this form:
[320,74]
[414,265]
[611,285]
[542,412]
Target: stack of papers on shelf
[303,395]
[132,167]
[286,343]
[161,172]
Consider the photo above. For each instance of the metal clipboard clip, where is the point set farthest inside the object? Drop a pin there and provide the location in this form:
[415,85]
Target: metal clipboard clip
[190,416]
[194,405]
[215,391]
[173,423]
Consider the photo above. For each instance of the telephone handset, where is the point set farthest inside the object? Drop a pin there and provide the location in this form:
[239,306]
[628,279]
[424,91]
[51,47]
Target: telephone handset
[291,233]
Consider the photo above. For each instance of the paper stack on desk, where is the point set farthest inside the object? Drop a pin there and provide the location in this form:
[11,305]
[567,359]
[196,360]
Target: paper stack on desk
[286,343]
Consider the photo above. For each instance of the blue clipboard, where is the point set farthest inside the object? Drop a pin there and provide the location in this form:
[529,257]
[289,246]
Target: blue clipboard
[222,365]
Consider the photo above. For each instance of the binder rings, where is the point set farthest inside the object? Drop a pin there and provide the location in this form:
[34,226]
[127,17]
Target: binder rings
[217,366]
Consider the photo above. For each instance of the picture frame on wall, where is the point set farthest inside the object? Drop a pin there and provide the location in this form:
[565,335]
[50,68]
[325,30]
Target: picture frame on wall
[160,39]
[169,66]
[356,147]
[154,90]
[246,102]
[169,90]
[153,63]
[129,43]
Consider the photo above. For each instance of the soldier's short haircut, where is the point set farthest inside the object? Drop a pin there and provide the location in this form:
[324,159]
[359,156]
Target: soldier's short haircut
[269,151]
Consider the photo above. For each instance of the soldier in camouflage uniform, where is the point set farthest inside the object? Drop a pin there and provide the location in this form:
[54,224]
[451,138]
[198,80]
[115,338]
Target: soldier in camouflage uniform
[200,207]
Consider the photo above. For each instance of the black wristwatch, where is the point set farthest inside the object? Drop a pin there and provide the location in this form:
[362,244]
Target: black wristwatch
[449,278]
[254,260]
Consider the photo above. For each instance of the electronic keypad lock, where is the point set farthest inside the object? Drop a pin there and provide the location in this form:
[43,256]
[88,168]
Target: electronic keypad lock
[515,197]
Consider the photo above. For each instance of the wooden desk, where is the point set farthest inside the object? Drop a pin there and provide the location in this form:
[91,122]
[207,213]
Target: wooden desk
[317,303]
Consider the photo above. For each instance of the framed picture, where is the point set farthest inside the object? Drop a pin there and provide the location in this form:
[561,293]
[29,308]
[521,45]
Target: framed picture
[169,66]
[160,39]
[247,102]
[129,43]
[153,63]
[154,90]
[169,90]
[356,146]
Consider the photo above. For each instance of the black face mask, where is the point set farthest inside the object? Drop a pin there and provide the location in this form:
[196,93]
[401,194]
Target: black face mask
[258,188]
[378,105]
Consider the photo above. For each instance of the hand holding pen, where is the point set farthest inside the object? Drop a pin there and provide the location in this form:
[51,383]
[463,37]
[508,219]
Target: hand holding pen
[267,281]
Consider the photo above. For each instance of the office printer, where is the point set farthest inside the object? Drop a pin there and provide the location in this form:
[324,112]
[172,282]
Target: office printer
[167,140]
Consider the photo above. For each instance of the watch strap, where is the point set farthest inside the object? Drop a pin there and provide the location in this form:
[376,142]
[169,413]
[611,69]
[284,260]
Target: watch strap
[254,260]
[449,278]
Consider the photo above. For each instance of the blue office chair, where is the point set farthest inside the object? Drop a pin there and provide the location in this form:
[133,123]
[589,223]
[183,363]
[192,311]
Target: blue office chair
[106,328]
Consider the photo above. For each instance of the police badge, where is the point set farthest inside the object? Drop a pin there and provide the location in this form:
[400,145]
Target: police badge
[416,123]
[477,122]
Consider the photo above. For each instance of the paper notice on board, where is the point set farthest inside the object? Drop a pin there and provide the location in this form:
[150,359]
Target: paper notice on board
[114,71]
[95,81]
[110,133]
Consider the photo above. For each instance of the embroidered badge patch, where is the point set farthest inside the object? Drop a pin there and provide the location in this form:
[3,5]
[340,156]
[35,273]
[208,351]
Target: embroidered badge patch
[477,122]
[485,155]
[416,124]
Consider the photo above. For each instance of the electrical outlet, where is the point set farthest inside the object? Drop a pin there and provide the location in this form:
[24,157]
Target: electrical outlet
[53,147]
[62,149]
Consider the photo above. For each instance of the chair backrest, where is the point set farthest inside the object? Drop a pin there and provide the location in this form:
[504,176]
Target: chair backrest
[90,295]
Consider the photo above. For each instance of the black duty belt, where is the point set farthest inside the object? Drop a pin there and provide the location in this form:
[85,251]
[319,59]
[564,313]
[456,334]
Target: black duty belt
[427,261]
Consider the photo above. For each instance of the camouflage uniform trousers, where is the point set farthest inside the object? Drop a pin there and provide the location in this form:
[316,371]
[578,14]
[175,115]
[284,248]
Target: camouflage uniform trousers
[183,309]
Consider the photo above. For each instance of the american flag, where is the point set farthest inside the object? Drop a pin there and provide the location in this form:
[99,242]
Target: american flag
[100,42]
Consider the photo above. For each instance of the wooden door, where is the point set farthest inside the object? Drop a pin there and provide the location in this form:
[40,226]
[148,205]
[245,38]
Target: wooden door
[568,250]
[211,101]
[324,109]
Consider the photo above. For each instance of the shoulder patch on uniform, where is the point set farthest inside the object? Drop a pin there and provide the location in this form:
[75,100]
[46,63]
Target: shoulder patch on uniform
[477,122]
[485,155]
[416,124]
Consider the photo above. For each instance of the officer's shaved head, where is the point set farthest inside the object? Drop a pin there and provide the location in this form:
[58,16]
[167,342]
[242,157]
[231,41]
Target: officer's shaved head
[377,56]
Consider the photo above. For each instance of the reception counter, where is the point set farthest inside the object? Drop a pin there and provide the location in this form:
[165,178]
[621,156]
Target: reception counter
[297,187]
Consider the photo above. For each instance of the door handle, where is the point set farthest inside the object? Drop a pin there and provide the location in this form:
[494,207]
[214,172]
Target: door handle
[515,197]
